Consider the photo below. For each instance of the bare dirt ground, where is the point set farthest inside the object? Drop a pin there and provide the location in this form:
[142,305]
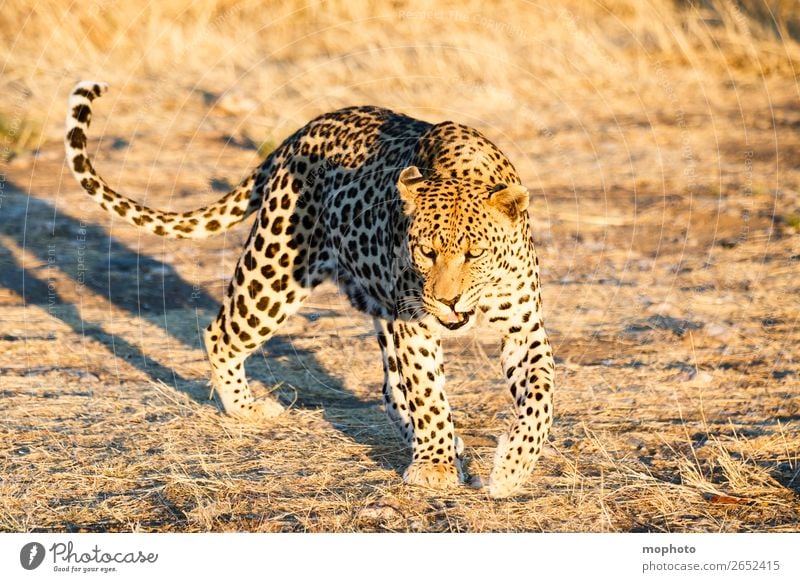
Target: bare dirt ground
[668,237]
[673,318]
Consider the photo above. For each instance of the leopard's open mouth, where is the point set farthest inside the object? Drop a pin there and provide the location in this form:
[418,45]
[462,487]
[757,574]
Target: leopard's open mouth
[463,319]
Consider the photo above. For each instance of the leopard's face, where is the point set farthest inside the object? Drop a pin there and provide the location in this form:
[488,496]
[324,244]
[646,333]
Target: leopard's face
[455,269]
[458,241]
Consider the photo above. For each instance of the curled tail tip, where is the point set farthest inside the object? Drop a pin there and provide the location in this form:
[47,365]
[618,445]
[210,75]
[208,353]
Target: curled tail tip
[88,90]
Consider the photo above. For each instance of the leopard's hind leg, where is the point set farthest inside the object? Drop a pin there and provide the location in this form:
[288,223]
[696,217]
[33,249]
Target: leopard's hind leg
[278,269]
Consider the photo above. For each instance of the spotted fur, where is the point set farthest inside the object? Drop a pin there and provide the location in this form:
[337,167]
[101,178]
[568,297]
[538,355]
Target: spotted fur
[424,227]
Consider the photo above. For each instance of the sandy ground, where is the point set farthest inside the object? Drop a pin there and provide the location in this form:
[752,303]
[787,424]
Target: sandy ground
[670,258]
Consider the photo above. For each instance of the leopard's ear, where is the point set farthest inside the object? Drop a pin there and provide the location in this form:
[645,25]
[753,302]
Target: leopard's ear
[409,177]
[511,200]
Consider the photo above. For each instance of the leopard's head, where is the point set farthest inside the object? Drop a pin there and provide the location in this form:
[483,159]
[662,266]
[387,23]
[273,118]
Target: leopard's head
[459,239]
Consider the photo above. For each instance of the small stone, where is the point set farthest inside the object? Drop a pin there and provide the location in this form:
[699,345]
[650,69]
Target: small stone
[663,308]
[701,377]
[718,330]
[235,103]
[380,511]
[477,482]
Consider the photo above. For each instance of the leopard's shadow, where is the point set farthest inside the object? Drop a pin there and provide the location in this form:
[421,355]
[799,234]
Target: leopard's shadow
[113,270]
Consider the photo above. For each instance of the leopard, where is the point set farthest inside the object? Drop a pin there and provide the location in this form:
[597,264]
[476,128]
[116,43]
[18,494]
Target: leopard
[425,227]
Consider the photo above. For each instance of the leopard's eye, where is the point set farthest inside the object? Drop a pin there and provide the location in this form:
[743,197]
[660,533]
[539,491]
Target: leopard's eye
[475,253]
[427,252]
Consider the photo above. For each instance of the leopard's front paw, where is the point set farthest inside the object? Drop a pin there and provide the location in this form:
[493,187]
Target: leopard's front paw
[510,470]
[267,408]
[432,475]
[259,410]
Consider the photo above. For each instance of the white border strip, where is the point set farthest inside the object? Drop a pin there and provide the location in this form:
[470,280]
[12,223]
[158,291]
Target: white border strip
[417,557]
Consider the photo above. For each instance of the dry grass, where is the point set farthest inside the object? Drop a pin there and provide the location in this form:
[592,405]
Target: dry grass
[660,142]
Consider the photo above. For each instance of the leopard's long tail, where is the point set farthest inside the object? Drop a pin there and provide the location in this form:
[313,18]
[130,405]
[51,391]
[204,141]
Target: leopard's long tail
[229,210]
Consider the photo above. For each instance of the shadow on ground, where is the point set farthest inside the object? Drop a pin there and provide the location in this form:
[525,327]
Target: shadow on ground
[114,271]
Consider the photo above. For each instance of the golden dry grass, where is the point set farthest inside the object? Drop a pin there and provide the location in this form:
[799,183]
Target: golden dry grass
[660,143]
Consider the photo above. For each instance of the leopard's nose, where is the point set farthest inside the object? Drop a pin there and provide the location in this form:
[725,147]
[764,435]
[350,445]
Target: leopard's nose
[451,303]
